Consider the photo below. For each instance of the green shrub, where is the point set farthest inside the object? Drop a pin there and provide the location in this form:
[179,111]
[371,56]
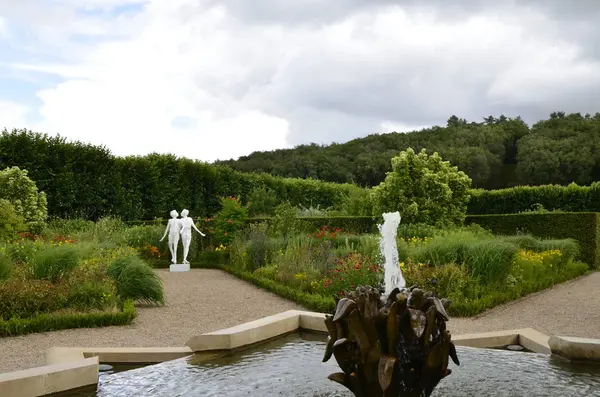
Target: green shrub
[10,221]
[302,257]
[91,294]
[54,322]
[5,265]
[449,281]
[136,280]
[115,268]
[424,188]
[68,227]
[442,249]
[22,252]
[54,263]
[26,298]
[230,220]
[22,193]
[269,271]
[571,198]
[582,226]
[358,202]
[257,246]
[489,260]
[418,230]
[285,221]
[261,202]
[351,271]
[108,229]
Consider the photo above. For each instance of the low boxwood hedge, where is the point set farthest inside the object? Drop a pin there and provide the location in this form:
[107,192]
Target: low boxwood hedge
[54,322]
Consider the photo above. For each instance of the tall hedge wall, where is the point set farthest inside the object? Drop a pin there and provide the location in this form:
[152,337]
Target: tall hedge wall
[571,198]
[581,226]
[87,181]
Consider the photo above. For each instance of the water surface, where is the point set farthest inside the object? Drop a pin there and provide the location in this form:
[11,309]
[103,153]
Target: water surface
[291,366]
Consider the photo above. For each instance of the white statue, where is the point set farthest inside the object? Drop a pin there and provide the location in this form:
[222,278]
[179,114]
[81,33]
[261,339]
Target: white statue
[173,228]
[187,224]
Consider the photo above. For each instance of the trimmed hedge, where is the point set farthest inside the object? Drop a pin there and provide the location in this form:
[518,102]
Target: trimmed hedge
[581,226]
[571,198]
[87,181]
[350,224]
[54,322]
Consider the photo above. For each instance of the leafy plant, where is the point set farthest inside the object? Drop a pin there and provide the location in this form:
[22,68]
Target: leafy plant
[54,263]
[136,280]
[424,188]
[285,222]
[258,247]
[5,265]
[10,221]
[351,271]
[25,298]
[261,201]
[230,220]
[22,192]
[489,260]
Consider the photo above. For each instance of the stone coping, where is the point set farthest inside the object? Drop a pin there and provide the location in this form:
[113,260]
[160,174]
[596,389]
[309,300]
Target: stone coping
[575,349]
[49,379]
[71,368]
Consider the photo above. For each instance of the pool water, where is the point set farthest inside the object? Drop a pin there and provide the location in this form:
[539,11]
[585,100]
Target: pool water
[291,366]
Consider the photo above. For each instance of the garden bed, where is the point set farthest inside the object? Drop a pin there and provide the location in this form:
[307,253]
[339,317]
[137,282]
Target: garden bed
[50,282]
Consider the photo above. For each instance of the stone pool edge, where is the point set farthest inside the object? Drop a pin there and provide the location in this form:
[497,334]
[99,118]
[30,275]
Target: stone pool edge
[72,368]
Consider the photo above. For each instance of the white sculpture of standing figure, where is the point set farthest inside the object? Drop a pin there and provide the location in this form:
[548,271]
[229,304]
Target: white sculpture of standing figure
[173,228]
[187,224]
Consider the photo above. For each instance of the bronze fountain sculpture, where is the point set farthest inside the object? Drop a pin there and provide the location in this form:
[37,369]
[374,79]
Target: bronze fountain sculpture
[392,347]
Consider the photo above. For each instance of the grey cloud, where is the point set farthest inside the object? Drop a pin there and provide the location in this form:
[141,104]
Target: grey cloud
[327,126]
[316,12]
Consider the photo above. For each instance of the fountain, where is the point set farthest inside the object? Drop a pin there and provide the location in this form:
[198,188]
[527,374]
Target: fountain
[389,250]
[391,345]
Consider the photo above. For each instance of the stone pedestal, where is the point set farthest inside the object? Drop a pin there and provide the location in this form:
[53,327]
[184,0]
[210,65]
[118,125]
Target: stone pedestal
[183,267]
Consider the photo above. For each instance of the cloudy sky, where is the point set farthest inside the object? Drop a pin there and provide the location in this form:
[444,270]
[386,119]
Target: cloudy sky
[210,79]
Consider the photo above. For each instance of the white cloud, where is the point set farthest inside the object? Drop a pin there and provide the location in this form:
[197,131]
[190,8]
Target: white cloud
[3,28]
[13,115]
[242,85]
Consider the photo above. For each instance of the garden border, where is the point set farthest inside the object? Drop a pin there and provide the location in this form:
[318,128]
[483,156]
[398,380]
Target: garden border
[55,322]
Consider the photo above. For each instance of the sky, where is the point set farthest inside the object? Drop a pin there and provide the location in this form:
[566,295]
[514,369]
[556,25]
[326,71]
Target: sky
[209,79]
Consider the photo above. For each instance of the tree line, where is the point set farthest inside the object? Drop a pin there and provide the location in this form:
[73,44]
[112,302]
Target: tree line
[496,153]
[87,181]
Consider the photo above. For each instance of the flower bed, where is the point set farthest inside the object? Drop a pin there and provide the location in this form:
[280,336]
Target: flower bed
[56,281]
[473,268]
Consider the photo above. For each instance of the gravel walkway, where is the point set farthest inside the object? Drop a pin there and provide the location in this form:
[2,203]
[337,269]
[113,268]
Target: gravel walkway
[208,300]
[199,301]
[568,309]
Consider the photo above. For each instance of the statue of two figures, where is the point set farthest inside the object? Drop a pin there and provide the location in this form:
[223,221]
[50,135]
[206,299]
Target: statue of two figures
[180,226]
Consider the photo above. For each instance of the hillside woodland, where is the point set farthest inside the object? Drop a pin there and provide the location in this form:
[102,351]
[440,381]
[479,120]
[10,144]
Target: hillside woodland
[496,153]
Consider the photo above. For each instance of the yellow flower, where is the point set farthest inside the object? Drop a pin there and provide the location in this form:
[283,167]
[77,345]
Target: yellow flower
[299,276]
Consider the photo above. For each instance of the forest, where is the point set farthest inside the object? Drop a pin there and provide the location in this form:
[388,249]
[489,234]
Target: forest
[498,152]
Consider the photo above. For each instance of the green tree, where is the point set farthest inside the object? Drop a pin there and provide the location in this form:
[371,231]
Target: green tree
[10,220]
[17,188]
[424,188]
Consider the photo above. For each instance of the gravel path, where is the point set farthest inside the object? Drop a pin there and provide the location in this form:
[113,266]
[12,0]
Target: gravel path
[208,300]
[199,301]
[568,309]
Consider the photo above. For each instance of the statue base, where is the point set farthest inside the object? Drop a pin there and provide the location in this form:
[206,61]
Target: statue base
[182,267]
